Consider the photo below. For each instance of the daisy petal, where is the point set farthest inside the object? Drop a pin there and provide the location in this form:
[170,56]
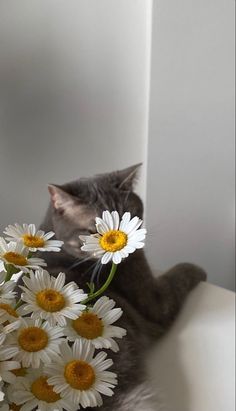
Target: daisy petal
[106,258]
[107,217]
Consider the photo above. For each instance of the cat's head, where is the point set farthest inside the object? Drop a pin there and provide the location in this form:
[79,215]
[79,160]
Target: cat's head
[75,205]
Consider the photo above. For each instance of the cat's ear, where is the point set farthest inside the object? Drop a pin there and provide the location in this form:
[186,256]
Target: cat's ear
[126,178]
[60,199]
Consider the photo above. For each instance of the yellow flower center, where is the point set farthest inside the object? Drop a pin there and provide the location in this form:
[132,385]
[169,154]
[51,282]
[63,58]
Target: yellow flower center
[33,339]
[113,240]
[19,372]
[79,375]
[88,325]
[9,309]
[33,241]
[14,407]
[50,300]
[15,258]
[43,391]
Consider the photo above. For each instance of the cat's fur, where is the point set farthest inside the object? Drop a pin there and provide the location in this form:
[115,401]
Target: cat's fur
[149,304]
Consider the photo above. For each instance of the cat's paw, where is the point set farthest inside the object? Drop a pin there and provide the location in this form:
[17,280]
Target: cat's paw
[192,272]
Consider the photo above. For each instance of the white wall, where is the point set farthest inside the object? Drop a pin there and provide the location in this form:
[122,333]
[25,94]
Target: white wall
[73,101]
[190,192]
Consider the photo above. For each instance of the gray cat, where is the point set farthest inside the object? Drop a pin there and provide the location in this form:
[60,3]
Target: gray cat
[149,304]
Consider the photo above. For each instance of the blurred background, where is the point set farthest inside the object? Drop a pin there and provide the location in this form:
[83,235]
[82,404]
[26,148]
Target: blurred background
[90,86]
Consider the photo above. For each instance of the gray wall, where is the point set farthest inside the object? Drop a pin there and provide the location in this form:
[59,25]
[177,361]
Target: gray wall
[190,191]
[73,100]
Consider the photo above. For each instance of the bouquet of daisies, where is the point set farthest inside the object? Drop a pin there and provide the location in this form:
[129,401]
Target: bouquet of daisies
[52,336]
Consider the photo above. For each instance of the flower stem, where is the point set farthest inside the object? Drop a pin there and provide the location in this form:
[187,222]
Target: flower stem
[10,271]
[18,304]
[104,286]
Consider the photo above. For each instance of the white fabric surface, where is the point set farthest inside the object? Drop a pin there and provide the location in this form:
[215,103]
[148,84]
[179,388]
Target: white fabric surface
[194,364]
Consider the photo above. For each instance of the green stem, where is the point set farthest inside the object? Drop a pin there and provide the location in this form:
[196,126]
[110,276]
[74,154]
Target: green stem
[11,269]
[18,304]
[104,286]
[8,277]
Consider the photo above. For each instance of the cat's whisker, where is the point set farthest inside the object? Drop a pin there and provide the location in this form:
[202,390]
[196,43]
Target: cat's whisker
[95,270]
[113,204]
[99,273]
[78,262]
[90,268]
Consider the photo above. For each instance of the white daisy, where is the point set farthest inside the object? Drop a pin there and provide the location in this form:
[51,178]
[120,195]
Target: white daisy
[31,238]
[115,239]
[7,295]
[7,329]
[80,376]
[36,342]
[7,313]
[7,364]
[94,324]
[17,255]
[7,404]
[49,298]
[35,393]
